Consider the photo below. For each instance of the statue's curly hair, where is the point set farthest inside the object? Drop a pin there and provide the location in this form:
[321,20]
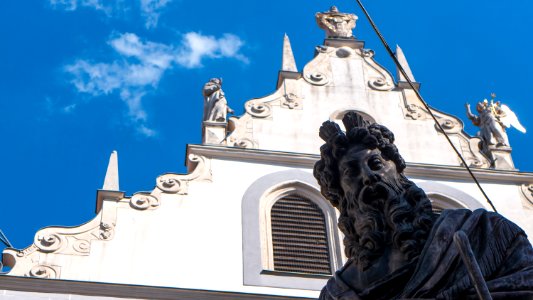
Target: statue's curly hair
[408,216]
[358,131]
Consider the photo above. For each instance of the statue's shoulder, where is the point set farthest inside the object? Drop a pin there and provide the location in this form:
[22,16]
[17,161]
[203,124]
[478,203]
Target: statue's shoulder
[479,221]
[337,288]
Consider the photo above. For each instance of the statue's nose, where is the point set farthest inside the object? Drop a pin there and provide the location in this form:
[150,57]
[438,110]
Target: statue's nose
[370,178]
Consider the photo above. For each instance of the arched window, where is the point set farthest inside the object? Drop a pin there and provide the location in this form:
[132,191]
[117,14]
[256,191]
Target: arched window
[290,234]
[337,115]
[444,196]
[299,236]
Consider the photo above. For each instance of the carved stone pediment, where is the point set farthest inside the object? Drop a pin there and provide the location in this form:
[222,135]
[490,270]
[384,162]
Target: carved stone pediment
[45,256]
[379,78]
[39,259]
[179,183]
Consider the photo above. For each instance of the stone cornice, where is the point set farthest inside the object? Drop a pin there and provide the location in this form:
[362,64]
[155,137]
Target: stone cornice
[40,285]
[305,160]
[287,75]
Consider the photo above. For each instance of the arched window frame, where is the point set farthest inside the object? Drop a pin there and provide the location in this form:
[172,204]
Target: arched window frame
[443,196]
[257,250]
[310,193]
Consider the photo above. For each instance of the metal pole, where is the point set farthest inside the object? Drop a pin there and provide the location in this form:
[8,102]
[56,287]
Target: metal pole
[463,245]
[400,68]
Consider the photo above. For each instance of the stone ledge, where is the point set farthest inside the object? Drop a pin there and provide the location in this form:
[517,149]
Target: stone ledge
[97,289]
[307,160]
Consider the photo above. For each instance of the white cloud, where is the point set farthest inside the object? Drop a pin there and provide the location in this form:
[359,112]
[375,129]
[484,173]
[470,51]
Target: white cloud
[140,65]
[156,54]
[69,108]
[71,5]
[196,46]
[151,9]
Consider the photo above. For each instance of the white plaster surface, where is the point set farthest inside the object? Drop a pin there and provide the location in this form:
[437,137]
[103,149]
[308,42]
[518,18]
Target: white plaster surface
[193,237]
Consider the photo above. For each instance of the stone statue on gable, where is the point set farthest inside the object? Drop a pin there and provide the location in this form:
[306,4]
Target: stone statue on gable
[397,248]
[493,119]
[335,23]
[215,104]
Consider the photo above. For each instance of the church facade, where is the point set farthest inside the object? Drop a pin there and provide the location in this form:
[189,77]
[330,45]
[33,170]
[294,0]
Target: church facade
[248,221]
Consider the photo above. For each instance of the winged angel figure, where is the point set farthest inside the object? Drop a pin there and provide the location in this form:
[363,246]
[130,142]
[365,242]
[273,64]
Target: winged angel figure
[493,119]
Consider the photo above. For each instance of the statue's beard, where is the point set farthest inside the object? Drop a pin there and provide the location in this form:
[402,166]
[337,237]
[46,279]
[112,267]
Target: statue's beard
[384,215]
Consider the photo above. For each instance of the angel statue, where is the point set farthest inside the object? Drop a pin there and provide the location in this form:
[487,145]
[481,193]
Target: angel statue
[215,104]
[493,119]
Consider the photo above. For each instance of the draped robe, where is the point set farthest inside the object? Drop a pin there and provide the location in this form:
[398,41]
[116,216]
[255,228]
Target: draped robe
[500,247]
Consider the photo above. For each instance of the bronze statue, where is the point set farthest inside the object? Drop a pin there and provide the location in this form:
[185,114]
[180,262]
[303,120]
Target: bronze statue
[397,248]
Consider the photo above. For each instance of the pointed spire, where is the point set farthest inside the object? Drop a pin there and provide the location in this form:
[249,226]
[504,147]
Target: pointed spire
[403,62]
[111,182]
[5,241]
[288,63]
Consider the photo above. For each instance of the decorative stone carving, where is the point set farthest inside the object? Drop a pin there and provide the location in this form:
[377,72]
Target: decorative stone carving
[42,271]
[321,49]
[25,252]
[317,78]
[336,24]
[527,190]
[82,246]
[106,231]
[469,147]
[397,248]
[70,240]
[318,71]
[367,53]
[344,52]
[380,84]
[48,242]
[448,125]
[413,111]
[215,104]
[179,183]
[258,109]
[241,132]
[471,154]
[379,79]
[245,143]
[291,101]
[144,202]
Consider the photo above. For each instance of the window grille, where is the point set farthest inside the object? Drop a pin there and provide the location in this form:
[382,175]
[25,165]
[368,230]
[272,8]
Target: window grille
[299,236]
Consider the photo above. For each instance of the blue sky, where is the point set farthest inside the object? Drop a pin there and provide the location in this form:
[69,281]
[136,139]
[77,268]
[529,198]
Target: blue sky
[80,78]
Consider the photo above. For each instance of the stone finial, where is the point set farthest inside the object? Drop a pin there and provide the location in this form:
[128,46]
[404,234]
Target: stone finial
[288,63]
[405,65]
[111,182]
[335,23]
[402,82]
